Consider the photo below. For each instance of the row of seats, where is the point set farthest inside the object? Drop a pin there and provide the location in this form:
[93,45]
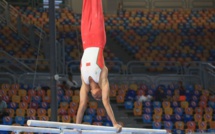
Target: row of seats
[159,36]
[68,29]
[179,35]
[26,103]
[197,109]
[180,127]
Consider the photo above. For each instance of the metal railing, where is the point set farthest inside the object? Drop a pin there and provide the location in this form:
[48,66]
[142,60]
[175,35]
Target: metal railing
[7,78]
[154,67]
[21,24]
[206,77]
[38,79]
[8,62]
[208,74]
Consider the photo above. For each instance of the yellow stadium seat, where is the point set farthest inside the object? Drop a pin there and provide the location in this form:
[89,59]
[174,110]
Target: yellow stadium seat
[16,98]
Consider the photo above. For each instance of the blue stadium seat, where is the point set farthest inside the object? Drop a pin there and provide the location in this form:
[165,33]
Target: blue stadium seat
[7,120]
[168,125]
[20,120]
[128,104]
[88,118]
[91,111]
[156,104]
[156,125]
[147,110]
[147,118]
[98,118]
[147,104]
[187,118]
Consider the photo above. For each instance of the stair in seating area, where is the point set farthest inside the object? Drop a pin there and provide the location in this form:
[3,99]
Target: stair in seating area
[127,117]
[123,115]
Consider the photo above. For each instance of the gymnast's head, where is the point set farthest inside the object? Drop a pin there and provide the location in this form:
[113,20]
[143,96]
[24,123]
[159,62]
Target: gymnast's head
[95,89]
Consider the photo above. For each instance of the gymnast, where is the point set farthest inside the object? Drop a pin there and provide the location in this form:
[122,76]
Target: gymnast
[94,73]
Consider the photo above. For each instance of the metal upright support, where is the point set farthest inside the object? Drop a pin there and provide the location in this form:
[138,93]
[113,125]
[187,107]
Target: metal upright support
[7,14]
[19,25]
[53,67]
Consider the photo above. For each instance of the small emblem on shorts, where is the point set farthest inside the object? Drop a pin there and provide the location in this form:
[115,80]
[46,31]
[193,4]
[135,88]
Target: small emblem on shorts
[88,64]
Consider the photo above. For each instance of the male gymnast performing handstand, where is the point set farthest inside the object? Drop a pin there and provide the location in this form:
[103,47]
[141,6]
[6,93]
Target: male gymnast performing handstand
[94,73]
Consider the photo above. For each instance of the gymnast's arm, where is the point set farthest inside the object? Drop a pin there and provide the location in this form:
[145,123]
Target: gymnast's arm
[83,102]
[104,83]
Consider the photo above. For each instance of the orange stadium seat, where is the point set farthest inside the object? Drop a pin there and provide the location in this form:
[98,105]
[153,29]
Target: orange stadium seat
[137,111]
[197,117]
[113,93]
[101,111]
[166,104]
[41,112]
[32,92]
[77,92]
[3,92]
[208,110]
[202,125]
[138,104]
[72,112]
[168,111]
[205,92]
[179,125]
[121,92]
[20,112]
[26,99]
[189,111]
[22,92]
[204,98]
[64,105]
[12,92]
[93,104]
[15,87]
[6,99]
[31,112]
[158,111]
[5,87]
[66,119]
[23,105]
[11,112]
[207,117]
[44,118]
[199,110]
[48,92]
[16,98]
[97,123]
[184,104]
[41,93]
[69,93]
[191,125]
[74,105]
[203,104]
[212,124]
[46,99]
[157,118]
[120,99]
[49,112]
[62,111]
[75,98]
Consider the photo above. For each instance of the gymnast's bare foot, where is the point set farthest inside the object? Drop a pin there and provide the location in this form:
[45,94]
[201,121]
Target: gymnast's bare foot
[118,128]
